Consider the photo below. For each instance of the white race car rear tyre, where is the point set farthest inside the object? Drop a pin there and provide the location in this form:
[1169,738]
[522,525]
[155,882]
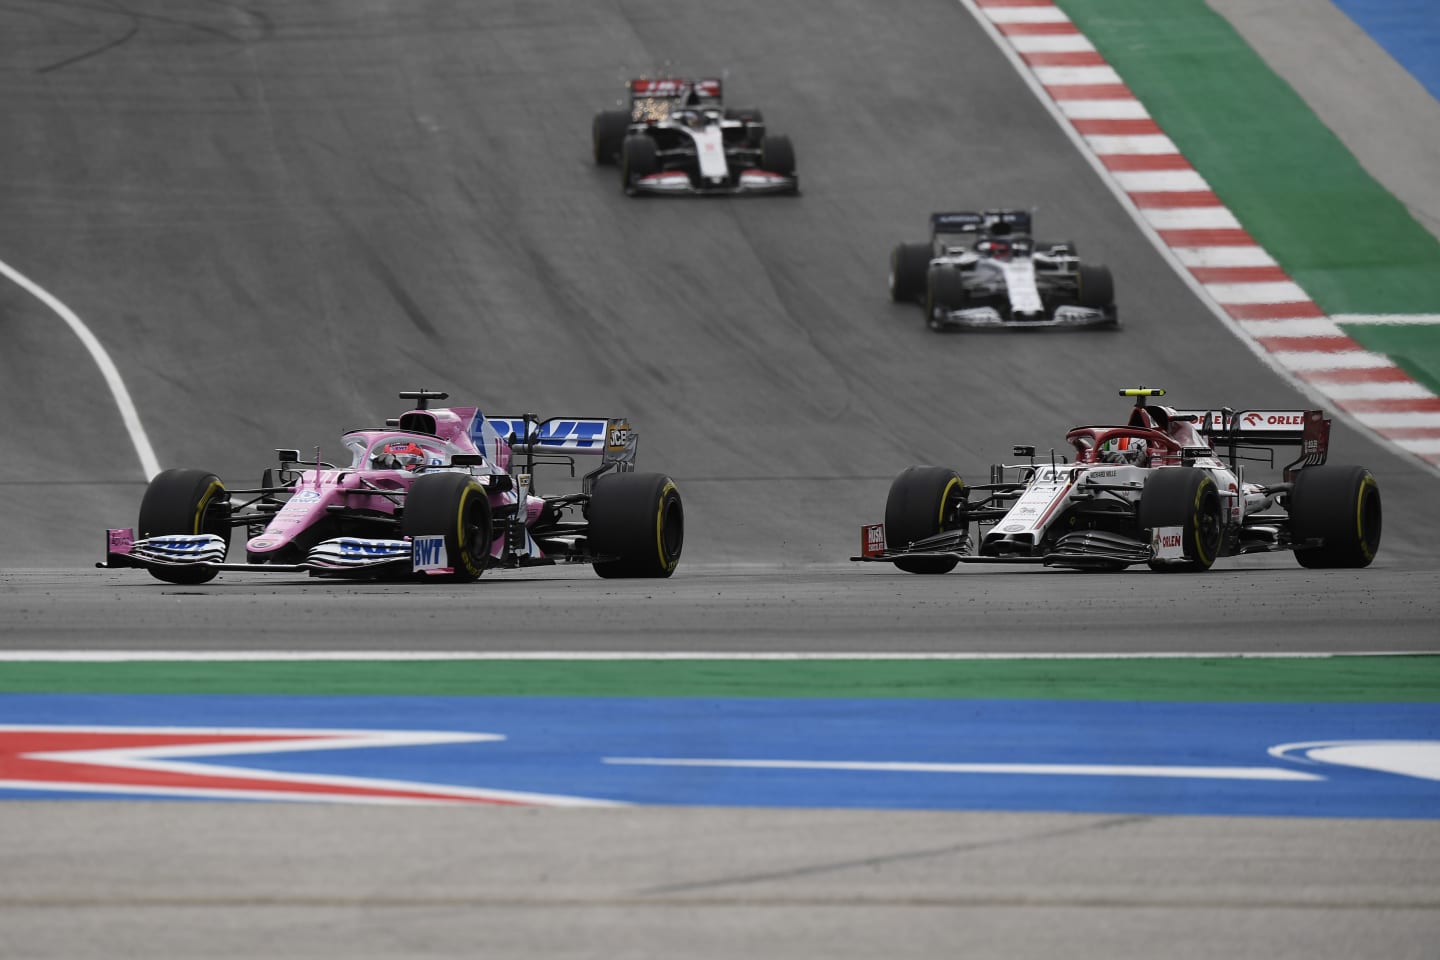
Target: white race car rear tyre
[1340,506]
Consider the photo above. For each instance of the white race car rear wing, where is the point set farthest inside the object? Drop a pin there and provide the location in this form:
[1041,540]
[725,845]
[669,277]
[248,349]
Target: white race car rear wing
[1234,429]
[1014,221]
[707,88]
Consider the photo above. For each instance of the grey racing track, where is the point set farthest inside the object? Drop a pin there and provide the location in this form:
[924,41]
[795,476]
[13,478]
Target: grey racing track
[277,215]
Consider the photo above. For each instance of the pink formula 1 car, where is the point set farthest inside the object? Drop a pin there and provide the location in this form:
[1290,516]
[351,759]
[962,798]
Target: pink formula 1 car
[441,493]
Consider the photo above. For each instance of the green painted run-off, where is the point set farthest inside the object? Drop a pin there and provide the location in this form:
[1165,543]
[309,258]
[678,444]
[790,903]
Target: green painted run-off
[1237,679]
[1343,237]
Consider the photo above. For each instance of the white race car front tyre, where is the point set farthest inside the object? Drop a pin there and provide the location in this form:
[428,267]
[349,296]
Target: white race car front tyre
[1189,499]
[923,501]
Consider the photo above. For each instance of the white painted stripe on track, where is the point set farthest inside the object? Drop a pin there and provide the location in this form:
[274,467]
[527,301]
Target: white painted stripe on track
[1073,76]
[1104,109]
[1020,769]
[1401,319]
[1046,14]
[1191,218]
[1161,181]
[1051,43]
[1307,360]
[400,656]
[1143,144]
[1238,256]
[1293,327]
[1399,419]
[149,465]
[1393,390]
[1270,291]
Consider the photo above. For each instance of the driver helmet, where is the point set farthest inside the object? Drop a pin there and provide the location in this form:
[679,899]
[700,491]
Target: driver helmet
[400,455]
[1130,450]
[1000,249]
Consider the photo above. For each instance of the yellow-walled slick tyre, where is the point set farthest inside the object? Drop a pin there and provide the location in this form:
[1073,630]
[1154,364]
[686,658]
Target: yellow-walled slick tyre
[181,501]
[923,501]
[1187,498]
[454,506]
[636,525]
[1340,506]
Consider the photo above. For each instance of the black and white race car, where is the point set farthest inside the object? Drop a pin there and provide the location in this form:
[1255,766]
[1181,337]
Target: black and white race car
[677,137]
[1168,488]
[985,270]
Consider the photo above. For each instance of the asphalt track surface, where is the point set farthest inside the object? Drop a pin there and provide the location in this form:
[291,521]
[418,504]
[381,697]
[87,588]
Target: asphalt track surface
[276,216]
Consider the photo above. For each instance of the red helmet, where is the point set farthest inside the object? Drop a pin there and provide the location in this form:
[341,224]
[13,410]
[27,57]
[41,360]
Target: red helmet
[400,455]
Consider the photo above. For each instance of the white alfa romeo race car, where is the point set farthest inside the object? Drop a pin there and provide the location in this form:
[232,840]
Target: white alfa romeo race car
[984,270]
[1167,488]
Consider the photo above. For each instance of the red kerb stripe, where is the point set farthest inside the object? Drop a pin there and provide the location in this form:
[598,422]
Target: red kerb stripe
[1063,28]
[1139,126]
[1171,199]
[1309,344]
[1124,162]
[1090,91]
[1208,237]
[1361,375]
[1392,405]
[1064,58]
[1239,274]
[1276,311]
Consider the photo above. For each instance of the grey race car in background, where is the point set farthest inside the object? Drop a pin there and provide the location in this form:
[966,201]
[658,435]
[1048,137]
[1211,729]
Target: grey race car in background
[985,270]
[678,137]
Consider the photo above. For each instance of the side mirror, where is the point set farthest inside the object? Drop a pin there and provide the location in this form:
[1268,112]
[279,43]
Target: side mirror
[287,456]
[466,460]
[1023,450]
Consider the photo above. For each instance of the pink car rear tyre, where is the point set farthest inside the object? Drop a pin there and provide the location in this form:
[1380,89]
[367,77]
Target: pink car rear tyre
[637,524]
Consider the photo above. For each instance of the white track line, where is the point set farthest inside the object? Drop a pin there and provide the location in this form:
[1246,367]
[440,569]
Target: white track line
[264,656]
[148,463]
